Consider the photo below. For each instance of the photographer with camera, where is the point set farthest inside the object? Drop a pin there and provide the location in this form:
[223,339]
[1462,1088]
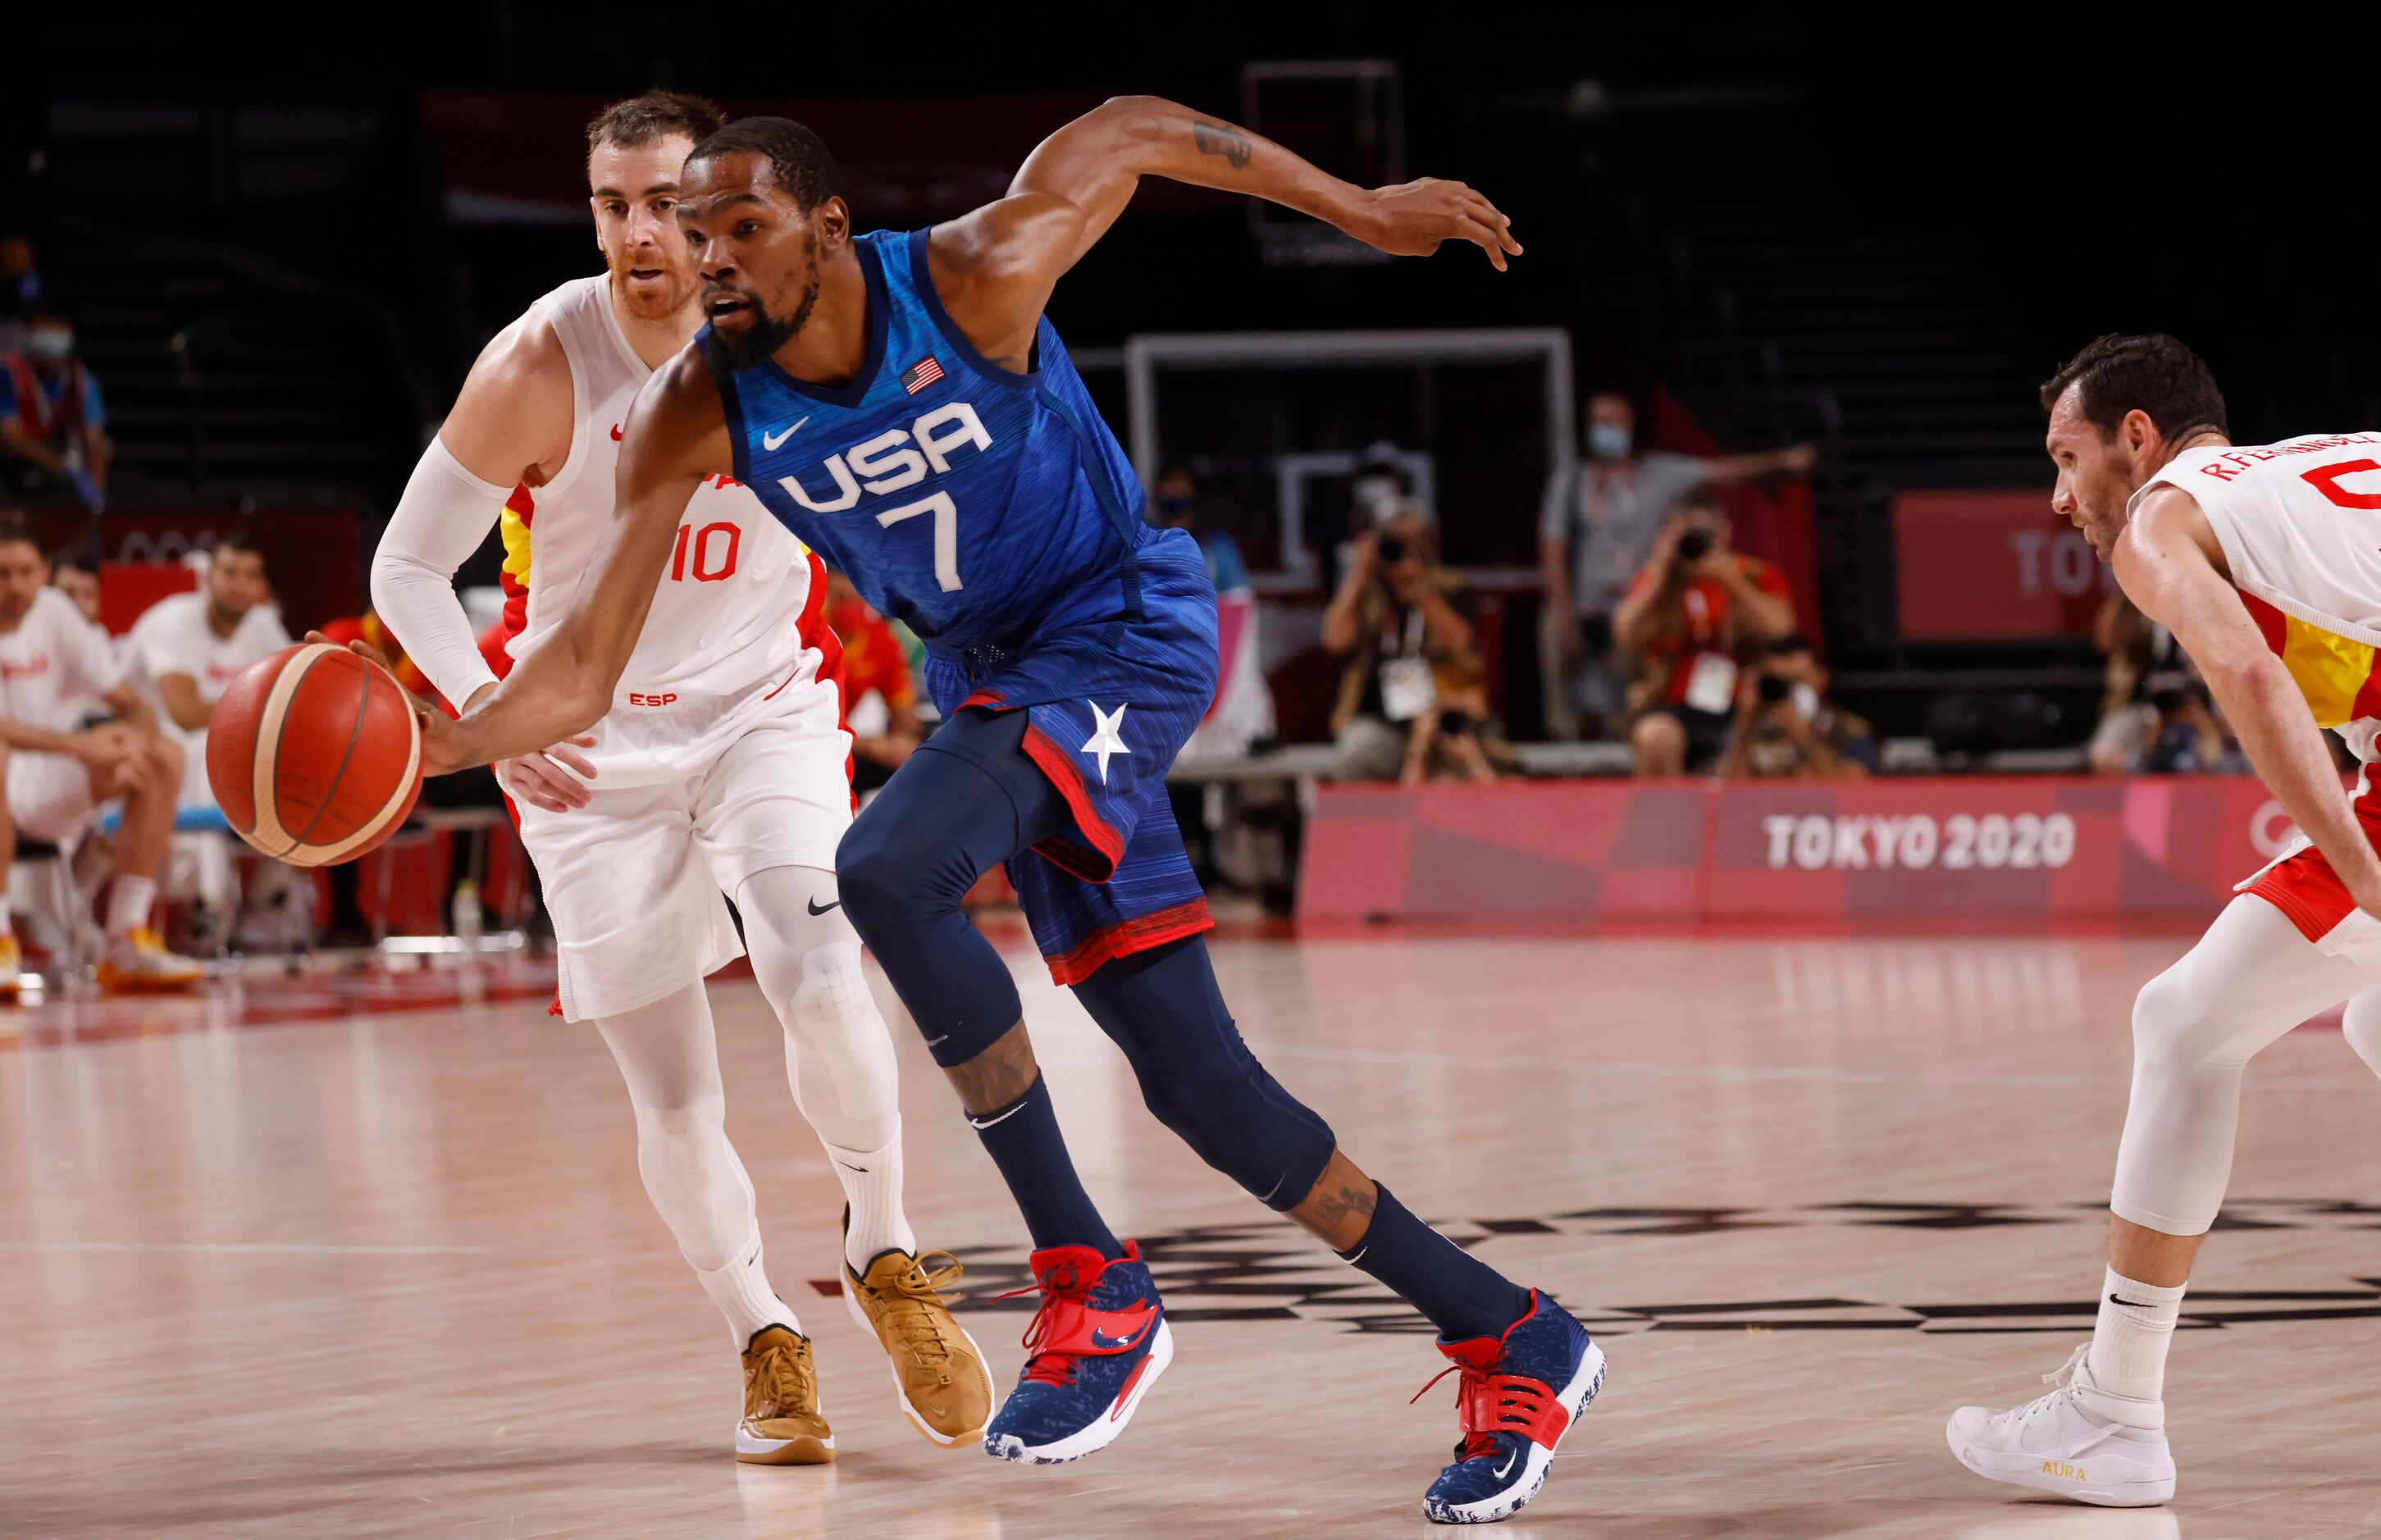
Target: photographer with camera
[1692,614]
[1785,727]
[1413,693]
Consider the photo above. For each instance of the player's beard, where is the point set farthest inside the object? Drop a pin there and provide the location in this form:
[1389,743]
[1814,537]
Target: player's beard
[769,333]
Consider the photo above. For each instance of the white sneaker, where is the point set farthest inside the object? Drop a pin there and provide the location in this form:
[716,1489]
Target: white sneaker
[2072,1442]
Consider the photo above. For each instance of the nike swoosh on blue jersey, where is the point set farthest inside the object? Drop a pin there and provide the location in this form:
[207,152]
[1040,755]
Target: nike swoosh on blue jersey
[770,441]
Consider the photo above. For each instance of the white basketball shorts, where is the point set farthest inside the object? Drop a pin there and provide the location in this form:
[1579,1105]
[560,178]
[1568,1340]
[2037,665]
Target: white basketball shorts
[689,799]
[49,796]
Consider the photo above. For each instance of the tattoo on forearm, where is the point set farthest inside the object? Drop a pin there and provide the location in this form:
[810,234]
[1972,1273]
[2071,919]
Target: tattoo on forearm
[1215,138]
[1347,1202]
[1000,1074]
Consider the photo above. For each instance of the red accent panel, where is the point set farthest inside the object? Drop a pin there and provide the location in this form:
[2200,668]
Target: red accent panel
[987,698]
[2272,624]
[1980,566]
[1055,763]
[1126,938]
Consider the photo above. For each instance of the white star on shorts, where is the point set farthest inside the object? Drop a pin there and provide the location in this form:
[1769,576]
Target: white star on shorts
[1105,739]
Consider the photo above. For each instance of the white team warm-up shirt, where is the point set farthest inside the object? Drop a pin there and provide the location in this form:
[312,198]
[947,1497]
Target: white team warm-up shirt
[53,665]
[173,637]
[728,606]
[2300,522]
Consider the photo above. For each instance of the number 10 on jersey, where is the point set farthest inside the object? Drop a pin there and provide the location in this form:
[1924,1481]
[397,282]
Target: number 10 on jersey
[714,548]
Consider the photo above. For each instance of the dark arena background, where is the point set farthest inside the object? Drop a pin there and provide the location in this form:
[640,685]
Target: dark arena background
[1746,959]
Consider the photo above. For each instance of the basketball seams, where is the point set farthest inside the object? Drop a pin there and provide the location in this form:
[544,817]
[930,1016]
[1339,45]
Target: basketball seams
[265,772]
[355,736]
[270,834]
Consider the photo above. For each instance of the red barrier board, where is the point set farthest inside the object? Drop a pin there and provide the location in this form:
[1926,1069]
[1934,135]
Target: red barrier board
[1918,848]
[1981,566]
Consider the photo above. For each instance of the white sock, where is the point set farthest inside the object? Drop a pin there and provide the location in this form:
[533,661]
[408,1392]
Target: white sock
[2129,1343]
[741,1291]
[128,903]
[872,1184]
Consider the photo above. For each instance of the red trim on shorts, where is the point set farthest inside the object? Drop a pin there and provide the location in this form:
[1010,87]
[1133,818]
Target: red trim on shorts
[987,697]
[2272,623]
[2306,888]
[1128,936]
[1056,763]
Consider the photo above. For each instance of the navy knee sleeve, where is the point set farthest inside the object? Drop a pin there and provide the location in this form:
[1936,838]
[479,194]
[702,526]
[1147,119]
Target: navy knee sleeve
[948,816]
[1164,1010]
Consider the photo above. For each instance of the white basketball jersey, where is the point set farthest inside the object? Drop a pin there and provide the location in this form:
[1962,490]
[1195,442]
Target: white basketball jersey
[730,603]
[2300,522]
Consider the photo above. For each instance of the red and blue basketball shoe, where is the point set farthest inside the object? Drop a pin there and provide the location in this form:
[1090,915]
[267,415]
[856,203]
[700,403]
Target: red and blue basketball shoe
[1095,1347]
[1520,1392]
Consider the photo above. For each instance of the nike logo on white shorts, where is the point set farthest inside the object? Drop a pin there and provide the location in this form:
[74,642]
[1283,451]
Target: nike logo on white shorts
[770,441]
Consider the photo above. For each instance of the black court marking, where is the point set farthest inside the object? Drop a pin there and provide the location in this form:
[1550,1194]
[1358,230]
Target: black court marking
[1267,1270]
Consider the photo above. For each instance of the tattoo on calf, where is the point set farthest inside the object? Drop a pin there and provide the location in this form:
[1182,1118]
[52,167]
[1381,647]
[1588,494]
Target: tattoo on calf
[1349,1203]
[1213,139]
[1000,1074]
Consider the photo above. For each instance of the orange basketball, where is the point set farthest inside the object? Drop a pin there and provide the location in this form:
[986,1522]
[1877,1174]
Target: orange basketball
[314,754]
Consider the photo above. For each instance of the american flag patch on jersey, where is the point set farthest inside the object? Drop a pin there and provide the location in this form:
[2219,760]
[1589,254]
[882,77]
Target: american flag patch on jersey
[921,374]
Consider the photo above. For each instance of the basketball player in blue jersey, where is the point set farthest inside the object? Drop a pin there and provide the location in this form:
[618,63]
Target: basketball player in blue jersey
[901,403]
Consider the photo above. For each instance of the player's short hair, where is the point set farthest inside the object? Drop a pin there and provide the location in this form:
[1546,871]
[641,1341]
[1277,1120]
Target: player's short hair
[16,529]
[2147,372]
[75,557]
[239,540]
[799,162]
[656,115]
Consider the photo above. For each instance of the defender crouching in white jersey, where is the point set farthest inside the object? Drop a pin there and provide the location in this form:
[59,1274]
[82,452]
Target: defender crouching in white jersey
[2266,563]
[722,769]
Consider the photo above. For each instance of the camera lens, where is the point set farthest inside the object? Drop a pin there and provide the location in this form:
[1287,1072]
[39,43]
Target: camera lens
[1772,689]
[1393,548]
[1694,546]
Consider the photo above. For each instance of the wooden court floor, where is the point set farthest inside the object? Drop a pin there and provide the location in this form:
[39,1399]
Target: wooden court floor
[389,1271]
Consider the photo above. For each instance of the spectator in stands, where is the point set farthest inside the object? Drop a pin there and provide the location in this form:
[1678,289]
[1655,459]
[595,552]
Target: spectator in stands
[1785,727]
[1178,509]
[52,421]
[59,772]
[1404,623]
[76,576]
[2145,666]
[1596,533]
[20,288]
[189,646]
[880,699]
[1693,613]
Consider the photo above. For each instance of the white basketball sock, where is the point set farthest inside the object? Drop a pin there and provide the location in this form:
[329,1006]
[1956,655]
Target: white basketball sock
[2129,1344]
[741,1291]
[872,1184]
[128,903]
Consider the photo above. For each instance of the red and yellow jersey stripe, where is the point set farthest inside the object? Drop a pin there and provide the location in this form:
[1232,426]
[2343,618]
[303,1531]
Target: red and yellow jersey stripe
[2340,678]
[512,579]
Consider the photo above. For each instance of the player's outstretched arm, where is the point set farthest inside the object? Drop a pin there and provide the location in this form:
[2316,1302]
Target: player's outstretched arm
[994,268]
[675,434]
[2166,560]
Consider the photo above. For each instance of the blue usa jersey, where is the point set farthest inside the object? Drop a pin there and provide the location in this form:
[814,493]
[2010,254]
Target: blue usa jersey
[995,514]
[960,497]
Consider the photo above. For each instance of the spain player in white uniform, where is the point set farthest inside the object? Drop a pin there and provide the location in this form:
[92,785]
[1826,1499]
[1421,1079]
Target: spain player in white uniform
[2266,563]
[54,666]
[722,769]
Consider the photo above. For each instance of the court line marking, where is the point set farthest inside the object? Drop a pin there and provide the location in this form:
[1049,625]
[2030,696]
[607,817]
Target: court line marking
[236,1248]
[1508,1064]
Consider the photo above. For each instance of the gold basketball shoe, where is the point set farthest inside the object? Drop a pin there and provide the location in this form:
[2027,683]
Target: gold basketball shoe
[782,1424]
[939,1371]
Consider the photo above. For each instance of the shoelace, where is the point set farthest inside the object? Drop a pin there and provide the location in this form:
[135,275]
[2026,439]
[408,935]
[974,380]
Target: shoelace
[2061,1380]
[781,1384]
[1059,1291]
[908,1302]
[1487,1405]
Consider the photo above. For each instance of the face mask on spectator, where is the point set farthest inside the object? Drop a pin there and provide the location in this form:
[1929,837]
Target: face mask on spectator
[1609,440]
[51,346]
